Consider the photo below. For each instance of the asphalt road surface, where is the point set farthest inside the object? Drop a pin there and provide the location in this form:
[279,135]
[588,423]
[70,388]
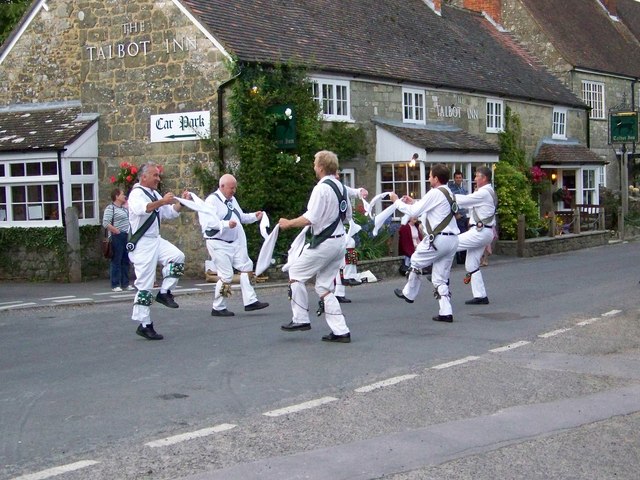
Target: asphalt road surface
[541,383]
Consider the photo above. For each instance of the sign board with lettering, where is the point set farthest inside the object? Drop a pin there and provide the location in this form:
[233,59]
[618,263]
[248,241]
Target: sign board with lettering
[285,126]
[623,127]
[178,127]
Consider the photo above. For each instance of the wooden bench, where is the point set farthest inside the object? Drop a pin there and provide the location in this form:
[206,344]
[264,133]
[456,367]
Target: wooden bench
[584,217]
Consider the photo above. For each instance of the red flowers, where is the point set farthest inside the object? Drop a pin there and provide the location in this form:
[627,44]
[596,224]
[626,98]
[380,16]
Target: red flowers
[126,176]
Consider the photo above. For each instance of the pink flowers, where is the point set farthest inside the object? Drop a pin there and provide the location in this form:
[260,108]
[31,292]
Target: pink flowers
[126,176]
[537,174]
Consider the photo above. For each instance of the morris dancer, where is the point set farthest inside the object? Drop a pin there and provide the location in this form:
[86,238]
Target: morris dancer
[228,248]
[439,246]
[327,209]
[147,248]
[482,220]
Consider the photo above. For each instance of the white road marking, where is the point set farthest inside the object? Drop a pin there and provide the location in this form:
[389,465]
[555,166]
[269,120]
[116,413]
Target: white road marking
[17,305]
[553,333]
[9,303]
[611,313]
[510,346]
[587,322]
[205,432]
[455,362]
[68,300]
[300,406]
[189,290]
[58,298]
[52,472]
[385,383]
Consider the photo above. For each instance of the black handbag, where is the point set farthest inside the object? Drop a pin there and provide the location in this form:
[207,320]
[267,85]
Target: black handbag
[107,248]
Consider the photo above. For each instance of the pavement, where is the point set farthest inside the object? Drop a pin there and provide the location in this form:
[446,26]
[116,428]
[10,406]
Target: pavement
[21,295]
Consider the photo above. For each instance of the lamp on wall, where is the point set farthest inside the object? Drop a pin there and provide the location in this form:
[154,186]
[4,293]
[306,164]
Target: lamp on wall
[412,162]
[554,177]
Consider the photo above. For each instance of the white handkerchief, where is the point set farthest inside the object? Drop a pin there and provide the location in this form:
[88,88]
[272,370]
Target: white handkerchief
[353,228]
[368,207]
[206,213]
[266,251]
[382,217]
[296,249]
[404,220]
[264,224]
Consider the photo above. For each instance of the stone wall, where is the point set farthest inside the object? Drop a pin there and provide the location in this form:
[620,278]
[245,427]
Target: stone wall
[535,247]
[125,61]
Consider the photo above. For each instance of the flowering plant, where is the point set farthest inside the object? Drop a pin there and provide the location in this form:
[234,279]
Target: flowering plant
[126,177]
[562,195]
[537,174]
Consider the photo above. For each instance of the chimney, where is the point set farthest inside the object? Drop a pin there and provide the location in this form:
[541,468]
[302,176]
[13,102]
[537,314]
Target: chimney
[493,8]
[610,5]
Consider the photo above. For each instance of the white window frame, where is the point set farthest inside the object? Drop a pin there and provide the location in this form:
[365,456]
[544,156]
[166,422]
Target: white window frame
[348,177]
[413,106]
[9,182]
[559,123]
[593,94]
[494,115]
[334,98]
[84,180]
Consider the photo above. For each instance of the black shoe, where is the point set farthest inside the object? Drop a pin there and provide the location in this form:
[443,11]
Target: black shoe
[221,313]
[255,306]
[351,282]
[293,327]
[148,332]
[166,299]
[332,337]
[478,301]
[399,294]
[443,318]
[343,299]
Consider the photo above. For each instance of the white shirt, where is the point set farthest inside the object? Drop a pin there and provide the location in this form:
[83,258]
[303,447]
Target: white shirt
[482,205]
[219,203]
[323,207]
[138,201]
[436,206]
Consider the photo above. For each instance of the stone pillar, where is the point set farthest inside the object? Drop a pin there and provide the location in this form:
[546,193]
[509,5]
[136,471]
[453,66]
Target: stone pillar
[74,258]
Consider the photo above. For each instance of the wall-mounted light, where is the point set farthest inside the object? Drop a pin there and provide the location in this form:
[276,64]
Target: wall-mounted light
[554,177]
[412,162]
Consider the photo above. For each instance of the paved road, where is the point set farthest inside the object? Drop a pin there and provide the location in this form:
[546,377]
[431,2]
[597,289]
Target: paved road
[466,400]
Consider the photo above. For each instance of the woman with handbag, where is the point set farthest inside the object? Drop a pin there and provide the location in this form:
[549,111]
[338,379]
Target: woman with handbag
[116,221]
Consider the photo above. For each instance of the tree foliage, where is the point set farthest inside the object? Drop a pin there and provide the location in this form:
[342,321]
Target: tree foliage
[512,183]
[10,14]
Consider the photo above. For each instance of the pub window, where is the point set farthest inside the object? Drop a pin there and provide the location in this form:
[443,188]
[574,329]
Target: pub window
[495,116]
[593,95]
[412,105]
[402,179]
[333,98]
[559,123]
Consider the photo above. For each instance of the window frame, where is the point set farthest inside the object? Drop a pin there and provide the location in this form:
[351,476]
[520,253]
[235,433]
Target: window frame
[413,109]
[593,94]
[492,118]
[559,123]
[319,85]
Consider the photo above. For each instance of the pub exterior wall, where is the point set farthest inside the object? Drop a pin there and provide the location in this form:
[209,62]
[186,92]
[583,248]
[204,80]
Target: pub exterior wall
[126,61]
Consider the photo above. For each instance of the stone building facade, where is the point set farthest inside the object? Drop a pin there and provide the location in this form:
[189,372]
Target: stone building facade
[591,49]
[131,70]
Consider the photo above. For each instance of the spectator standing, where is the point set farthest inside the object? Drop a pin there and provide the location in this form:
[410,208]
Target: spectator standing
[116,221]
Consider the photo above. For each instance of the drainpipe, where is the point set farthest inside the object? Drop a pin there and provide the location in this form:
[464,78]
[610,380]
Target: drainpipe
[221,88]
[61,187]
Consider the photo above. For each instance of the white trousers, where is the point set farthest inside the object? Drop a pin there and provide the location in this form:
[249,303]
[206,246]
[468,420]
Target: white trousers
[474,241]
[440,258]
[323,262]
[149,252]
[226,257]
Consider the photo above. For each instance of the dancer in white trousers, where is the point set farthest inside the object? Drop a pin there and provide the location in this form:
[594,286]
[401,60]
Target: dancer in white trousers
[147,248]
[439,246]
[482,205]
[228,248]
[327,209]
[348,273]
